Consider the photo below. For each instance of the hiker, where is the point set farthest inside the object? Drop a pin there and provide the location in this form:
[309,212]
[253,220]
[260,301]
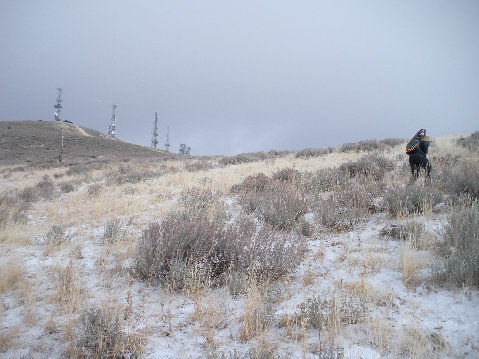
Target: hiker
[417,149]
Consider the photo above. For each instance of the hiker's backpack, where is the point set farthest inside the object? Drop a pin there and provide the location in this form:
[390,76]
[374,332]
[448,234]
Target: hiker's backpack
[413,145]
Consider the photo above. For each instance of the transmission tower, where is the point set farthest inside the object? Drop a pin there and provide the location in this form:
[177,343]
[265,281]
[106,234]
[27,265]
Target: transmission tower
[167,144]
[58,106]
[112,127]
[154,140]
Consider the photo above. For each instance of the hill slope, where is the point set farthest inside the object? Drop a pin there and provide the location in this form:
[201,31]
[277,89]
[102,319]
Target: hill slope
[38,143]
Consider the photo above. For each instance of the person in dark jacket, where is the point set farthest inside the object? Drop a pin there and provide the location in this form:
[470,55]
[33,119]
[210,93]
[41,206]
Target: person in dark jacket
[418,158]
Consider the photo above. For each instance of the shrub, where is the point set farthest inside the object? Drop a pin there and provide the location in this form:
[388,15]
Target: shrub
[471,142]
[179,240]
[66,187]
[256,183]
[393,142]
[95,189]
[46,188]
[127,174]
[375,166]
[323,180]
[281,207]
[367,146]
[203,201]
[314,152]
[326,312]
[242,158]
[404,201]
[56,235]
[332,215]
[169,249]
[459,248]
[288,174]
[114,231]
[464,180]
[196,166]
[101,336]
[411,231]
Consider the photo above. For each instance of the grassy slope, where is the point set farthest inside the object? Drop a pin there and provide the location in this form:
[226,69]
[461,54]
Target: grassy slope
[37,143]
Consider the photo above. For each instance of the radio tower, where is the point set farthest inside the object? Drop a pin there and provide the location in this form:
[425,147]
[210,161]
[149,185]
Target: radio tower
[112,127]
[154,140]
[167,144]
[58,107]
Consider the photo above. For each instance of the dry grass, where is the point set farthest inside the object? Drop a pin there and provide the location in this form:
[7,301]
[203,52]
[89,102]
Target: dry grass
[11,273]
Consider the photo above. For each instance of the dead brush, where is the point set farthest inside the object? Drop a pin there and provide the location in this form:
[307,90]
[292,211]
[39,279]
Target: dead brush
[114,231]
[406,201]
[11,272]
[56,236]
[458,251]
[67,287]
[101,335]
[204,201]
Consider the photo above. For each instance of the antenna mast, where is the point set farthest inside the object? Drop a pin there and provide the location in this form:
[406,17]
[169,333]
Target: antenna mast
[58,106]
[167,144]
[154,140]
[112,127]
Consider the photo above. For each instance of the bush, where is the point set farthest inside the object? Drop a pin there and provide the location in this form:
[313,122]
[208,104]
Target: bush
[286,175]
[459,248]
[168,250]
[127,174]
[56,235]
[375,166]
[195,166]
[66,187]
[114,231]
[332,215]
[366,146]
[471,143]
[326,312]
[464,180]
[46,188]
[256,183]
[280,206]
[205,202]
[393,142]
[95,189]
[405,201]
[314,152]
[323,180]
[411,231]
[102,336]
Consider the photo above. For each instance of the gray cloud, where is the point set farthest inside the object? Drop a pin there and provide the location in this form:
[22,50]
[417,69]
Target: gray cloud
[245,76]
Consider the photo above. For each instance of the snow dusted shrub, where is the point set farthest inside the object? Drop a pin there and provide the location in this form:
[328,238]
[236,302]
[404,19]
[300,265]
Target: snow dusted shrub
[101,336]
[328,312]
[280,206]
[371,165]
[180,238]
[323,180]
[411,231]
[266,254]
[95,189]
[66,187]
[404,201]
[114,231]
[288,174]
[464,180]
[169,249]
[204,202]
[46,188]
[255,183]
[56,235]
[459,248]
[471,143]
[314,152]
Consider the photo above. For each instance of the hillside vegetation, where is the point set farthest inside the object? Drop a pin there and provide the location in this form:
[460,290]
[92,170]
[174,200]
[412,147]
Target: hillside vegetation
[37,144]
[320,253]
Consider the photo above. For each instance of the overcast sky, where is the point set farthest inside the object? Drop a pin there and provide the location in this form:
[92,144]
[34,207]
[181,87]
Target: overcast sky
[241,76]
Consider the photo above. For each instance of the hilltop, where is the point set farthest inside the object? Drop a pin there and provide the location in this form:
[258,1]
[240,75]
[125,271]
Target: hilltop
[37,144]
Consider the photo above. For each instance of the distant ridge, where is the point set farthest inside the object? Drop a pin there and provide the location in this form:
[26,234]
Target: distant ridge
[37,143]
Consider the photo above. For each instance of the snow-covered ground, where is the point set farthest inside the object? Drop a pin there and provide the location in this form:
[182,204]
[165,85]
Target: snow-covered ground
[361,270]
